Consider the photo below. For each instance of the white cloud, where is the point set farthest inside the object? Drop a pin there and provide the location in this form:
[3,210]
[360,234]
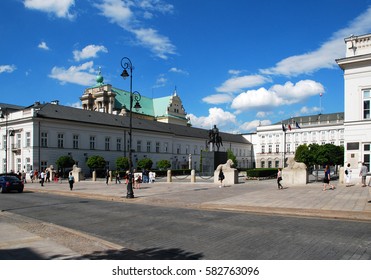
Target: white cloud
[217,116]
[276,96]
[263,114]
[305,110]
[117,11]
[234,72]
[122,13]
[43,46]
[237,84]
[88,52]
[218,98]
[251,126]
[325,56]
[159,45]
[179,71]
[161,81]
[77,104]
[7,68]
[80,75]
[58,7]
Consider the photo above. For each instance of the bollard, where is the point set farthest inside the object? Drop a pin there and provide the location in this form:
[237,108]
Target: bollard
[169,178]
[193,176]
[94,176]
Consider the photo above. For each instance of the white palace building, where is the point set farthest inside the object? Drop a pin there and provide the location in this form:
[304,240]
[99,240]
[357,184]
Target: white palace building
[36,136]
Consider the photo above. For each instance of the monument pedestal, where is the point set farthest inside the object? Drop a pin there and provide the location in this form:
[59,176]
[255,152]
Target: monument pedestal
[230,177]
[211,160]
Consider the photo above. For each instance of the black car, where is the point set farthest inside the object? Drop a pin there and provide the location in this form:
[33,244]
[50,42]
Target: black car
[11,183]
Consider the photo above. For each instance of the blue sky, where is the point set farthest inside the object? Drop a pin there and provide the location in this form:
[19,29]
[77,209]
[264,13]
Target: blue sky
[234,63]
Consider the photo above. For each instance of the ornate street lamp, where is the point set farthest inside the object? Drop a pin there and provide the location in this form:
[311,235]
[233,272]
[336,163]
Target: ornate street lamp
[8,132]
[128,72]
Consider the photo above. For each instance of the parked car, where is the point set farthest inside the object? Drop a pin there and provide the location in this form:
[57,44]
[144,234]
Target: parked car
[11,183]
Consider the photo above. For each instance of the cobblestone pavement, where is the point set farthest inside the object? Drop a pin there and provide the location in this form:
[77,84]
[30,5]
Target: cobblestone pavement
[49,241]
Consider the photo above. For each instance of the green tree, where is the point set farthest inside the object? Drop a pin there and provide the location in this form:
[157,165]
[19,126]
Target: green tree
[96,162]
[122,163]
[163,164]
[231,156]
[65,162]
[145,163]
[320,154]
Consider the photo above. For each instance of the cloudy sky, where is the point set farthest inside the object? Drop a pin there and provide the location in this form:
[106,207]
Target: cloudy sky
[235,63]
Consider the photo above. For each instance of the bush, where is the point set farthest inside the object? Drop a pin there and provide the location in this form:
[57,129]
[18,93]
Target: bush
[261,172]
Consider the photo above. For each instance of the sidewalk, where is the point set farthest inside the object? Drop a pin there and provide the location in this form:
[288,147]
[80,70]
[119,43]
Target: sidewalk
[249,196]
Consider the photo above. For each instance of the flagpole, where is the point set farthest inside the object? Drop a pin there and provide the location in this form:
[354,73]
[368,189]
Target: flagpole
[320,103]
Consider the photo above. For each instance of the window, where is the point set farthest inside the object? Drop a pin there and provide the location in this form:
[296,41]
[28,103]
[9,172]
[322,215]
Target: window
[43,165]
[44,139]
[262,164]
[28,164]
[178,149]
[157,147]
[19,141]
[366,103]
[288,147]
[148,146]
[166,147]
[263,149]
[75,140]
[92,142]
[276,163]
[269,164]
[19,164]
[107,141]
[139,146]
[60,140]
[118,144]
[277,148]
[28,139]
[270,149]
[4,142]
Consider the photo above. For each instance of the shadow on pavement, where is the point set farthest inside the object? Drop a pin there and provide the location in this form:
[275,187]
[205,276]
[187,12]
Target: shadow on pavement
[145,254]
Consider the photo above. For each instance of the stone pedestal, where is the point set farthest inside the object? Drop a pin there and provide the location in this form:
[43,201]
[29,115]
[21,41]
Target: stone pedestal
[230,177]
[294,177]
[77,174]
[210,161]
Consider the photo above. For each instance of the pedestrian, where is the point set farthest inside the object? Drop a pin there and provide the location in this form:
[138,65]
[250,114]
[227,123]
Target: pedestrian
[137,181]
[42,177]
[221,177]
[47,176]
[327,179]
[363,174]
[348,175]
[71,180]
[107,176]
[118,177]
[279,179]
[24,177]
[31,175]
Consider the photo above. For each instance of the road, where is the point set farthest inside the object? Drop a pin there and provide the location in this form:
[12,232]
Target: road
[153,232]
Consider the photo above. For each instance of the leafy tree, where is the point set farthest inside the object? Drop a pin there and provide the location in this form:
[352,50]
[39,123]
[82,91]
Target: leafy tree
[145,163]
[320,154]
[65,162]
[122,163]
[96,162]
[231,156]
[163,164]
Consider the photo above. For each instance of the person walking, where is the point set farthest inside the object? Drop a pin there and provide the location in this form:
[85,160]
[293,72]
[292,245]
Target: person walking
[107,176]
[279,179]
[31,175]
[71,180]
[221,177]
[327,179]
[363,174]
[118,177]
[348,175]
[42,177]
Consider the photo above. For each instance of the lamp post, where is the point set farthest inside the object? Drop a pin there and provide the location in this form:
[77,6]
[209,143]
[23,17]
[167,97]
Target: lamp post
[128,66]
